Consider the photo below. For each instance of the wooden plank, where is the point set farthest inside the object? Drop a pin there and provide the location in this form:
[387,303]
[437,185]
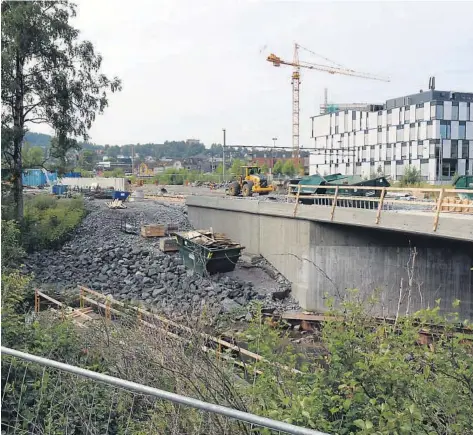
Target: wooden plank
[295,315]
[216,340]
[380,206]
[153,230]
[437,213]
[334,204]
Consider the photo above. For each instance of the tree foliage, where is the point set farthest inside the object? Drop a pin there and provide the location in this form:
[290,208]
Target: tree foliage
[369,376]
[288,168]
[278,168]
[411,177]
[48,77]
[33,157]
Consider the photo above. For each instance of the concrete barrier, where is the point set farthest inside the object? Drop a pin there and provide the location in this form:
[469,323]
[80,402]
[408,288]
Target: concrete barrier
[115,183]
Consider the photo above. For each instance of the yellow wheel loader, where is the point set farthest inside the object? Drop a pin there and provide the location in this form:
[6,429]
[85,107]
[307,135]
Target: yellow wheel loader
[250,181]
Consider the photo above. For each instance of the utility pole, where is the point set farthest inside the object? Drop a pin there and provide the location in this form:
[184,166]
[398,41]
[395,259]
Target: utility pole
[223,153]
[272,154]
[133,159]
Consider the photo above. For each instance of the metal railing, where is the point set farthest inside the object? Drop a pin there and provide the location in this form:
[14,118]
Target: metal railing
[435,200]
[165,395]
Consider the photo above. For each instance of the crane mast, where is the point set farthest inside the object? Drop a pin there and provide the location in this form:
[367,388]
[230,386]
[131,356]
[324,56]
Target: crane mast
[296,81]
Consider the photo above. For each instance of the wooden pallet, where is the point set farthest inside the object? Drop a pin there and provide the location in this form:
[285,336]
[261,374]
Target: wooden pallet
[153,230]
[451,204]
[168,244]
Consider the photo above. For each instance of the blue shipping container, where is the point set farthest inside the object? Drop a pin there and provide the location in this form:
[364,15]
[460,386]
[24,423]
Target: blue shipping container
[118,194]
[59,189]
[36,177]
[73,175]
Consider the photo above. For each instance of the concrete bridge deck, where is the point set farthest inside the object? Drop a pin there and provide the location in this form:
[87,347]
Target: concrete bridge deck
[455,226]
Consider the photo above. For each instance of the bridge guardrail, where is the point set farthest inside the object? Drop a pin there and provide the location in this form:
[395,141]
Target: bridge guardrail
[436,200]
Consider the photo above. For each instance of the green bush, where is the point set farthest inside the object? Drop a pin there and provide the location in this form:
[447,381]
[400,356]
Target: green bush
[12,251]
[368,376]
[49,221]
[411,177]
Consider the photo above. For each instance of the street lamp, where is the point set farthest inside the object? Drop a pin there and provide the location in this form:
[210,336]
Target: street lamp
[272,157]
[223,153]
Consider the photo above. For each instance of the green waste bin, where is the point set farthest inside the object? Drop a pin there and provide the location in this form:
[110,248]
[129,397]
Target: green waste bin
[219,258]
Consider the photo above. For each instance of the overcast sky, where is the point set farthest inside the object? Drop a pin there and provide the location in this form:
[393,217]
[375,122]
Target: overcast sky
[191,68]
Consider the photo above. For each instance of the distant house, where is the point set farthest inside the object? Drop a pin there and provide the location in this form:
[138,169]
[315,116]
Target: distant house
[192,141]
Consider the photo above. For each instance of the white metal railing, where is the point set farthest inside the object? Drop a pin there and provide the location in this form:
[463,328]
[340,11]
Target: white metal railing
[176,398]
[436,200]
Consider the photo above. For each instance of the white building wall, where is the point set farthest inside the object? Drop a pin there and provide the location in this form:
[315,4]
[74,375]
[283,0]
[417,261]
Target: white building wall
[395,116]
[435,129]
[372,136]
[427,111]
[321,125]
[469,129]
[447,110]
[446,147]
[341,122]
[432,169]
[412,113]
[454,129]
[463,111]
[423,130]
[461,168]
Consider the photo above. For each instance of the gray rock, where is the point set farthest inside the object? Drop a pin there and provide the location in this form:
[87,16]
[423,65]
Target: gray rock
[229,305]
[159,292]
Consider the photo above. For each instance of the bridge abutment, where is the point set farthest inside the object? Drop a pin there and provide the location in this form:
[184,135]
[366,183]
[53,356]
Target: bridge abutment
[324,259]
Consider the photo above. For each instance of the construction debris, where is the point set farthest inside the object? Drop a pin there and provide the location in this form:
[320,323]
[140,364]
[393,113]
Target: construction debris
[116,203]
[168,244]
[153,230]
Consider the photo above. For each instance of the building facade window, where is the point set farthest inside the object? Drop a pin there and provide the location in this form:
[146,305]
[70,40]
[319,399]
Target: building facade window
[439,111]
[462,130]
[454,112]
[445,130]
[454,149]
[465,150]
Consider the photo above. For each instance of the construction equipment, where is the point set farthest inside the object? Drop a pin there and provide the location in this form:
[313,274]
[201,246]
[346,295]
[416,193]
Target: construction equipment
[296,75]
[250,181]
[144,171]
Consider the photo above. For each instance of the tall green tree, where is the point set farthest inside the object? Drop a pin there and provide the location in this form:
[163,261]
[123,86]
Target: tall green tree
[288,168]
[278,168]
[236,166]
[33,157]
[49,77]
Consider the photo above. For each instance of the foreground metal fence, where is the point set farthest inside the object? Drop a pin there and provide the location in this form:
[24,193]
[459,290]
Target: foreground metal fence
[438,201]
[134,387]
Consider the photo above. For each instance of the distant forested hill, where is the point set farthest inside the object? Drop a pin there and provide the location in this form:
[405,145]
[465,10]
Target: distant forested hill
[171,149]
[38,139]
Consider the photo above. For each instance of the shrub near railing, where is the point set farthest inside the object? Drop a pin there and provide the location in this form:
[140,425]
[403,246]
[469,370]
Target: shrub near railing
[49,221]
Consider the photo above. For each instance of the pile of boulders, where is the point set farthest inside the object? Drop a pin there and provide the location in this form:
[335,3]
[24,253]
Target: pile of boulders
[129,267]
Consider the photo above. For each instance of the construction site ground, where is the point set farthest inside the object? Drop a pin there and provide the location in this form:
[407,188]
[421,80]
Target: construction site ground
[129,267]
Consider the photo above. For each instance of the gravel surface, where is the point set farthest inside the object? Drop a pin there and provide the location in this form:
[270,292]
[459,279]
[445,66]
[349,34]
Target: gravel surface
[129,267]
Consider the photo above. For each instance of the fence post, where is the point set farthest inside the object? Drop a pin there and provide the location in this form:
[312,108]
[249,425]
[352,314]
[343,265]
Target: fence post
[81,297]
[108,316]
[335,198]
[439,207]
[36,301]
[297,199]
[380,205]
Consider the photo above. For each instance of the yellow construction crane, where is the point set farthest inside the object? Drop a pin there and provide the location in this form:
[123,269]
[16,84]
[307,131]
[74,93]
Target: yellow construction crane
[296,79]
